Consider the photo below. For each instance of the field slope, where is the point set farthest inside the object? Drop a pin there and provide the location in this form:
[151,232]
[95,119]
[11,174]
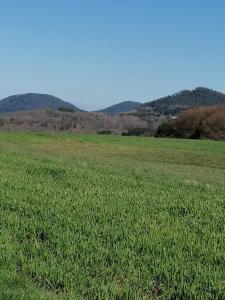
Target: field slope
[107,217]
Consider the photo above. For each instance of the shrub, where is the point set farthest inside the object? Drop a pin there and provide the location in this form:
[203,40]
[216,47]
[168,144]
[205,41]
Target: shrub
[136,132]
[67,109]
[2,122]
[201,122]
[104,132]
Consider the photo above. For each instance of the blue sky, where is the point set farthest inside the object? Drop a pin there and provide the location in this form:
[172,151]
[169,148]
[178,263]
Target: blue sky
[95,53]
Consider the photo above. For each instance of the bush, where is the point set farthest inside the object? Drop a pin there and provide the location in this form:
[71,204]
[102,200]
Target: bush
[66,123]
[104,132]
[201,122]
[2,122]
[136,132]
[67,109]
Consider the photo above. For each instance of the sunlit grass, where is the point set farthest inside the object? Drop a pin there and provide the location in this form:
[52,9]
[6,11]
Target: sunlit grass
[104,217]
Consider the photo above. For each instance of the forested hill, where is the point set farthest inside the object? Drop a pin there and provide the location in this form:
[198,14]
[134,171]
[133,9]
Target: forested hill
[33,101]
[171,105]
[125,106]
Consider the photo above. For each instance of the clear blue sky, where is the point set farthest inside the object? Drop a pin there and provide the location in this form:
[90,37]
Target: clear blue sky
[97,52]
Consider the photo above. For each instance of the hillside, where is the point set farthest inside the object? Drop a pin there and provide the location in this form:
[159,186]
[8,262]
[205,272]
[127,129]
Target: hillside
[32,101]
[55,120]
[121,107]
[171,105]
[197,122]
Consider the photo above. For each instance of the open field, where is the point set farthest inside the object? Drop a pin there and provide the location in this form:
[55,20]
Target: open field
[109,217]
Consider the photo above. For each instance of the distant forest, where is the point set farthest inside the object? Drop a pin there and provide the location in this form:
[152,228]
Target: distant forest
[172,105]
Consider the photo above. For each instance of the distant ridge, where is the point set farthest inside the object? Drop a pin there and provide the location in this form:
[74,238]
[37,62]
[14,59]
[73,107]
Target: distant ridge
[125,106]
[171,105]
[166,106]
[33,101]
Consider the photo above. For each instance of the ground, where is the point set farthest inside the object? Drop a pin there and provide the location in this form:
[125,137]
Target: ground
[108,217]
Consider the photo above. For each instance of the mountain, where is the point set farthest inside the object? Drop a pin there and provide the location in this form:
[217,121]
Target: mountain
[125,106]
[33,101]
[171,105]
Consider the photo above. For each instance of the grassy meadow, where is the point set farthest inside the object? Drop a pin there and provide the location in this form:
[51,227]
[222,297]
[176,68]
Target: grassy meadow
[109,217]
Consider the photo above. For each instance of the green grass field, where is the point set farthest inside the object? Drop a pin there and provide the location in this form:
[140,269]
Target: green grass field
[107,217]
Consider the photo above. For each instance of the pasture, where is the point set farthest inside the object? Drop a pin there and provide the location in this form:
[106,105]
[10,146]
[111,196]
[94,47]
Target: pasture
[109,217]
